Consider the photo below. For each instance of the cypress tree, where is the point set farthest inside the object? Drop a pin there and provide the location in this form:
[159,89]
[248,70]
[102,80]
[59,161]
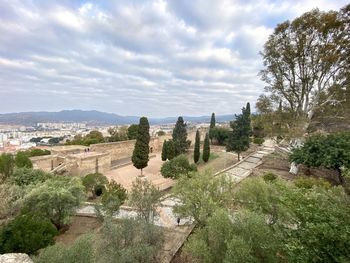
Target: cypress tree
[246,113]
[170,150]
[140,155]
[196,153]
[212,120]
[212,127]
[206,148]
[238,140]
[180,137]
[164,151]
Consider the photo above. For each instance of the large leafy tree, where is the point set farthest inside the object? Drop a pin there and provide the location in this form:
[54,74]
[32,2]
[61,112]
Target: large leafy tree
[55,199]
[238,140]
[303,59]
[331,151]
[140,155]
[206,148]
[196,153]
[180,137]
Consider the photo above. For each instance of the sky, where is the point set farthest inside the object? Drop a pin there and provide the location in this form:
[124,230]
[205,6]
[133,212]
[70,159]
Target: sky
[154,58]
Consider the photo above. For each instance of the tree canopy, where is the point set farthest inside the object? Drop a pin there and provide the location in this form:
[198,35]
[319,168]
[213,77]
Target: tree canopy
[196,153]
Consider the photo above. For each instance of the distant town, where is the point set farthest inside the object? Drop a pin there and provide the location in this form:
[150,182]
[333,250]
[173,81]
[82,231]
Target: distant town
[14,138]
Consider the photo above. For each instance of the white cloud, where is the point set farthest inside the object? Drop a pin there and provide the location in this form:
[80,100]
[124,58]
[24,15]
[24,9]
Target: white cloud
[149,57]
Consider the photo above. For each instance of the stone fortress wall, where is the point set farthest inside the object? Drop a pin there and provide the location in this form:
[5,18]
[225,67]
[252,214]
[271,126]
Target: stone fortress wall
[77,160]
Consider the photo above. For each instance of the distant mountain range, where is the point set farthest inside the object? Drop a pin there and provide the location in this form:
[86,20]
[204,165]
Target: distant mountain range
[93,118]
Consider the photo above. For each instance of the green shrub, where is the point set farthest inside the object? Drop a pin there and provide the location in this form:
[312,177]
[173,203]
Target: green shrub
[37,152]
[258,141]
[26,176]
[310,182]
[95,183]
[176,167]
[26,234]
[113,197]
[22,160]
[269,177]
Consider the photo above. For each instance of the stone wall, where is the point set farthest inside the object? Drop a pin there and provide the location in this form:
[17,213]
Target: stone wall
[86,163]
[46,162]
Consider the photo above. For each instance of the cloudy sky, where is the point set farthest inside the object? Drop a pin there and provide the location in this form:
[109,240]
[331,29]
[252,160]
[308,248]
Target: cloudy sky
[133,57]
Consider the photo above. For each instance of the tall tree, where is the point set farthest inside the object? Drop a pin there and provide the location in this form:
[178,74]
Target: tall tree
[164,151]
[180,137]
[211,127]
[197,153]
[238,140]
[303,59]
[212,120]
[206,148]
[140,155]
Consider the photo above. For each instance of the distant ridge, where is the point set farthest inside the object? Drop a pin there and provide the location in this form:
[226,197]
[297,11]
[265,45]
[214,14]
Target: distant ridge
[93,117]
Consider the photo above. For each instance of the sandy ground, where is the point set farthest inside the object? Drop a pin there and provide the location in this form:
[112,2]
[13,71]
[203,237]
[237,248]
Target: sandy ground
[127,174]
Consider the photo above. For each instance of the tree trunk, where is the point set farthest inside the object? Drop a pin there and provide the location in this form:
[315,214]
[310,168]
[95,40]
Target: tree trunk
[238,157]
[141,172]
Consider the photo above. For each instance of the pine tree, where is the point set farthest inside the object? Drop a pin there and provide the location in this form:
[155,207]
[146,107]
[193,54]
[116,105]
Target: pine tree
[180,137]
[140,155]
[196,153]
[206,148]
[238,140]
[164,151]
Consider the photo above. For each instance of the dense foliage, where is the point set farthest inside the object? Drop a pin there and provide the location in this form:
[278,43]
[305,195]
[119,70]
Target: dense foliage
[26,234]
[219,135]
[277,221]
[176,167]
[129,241]
[22,160]
[26,176]
[140,155]
[331,151]
[55,199]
